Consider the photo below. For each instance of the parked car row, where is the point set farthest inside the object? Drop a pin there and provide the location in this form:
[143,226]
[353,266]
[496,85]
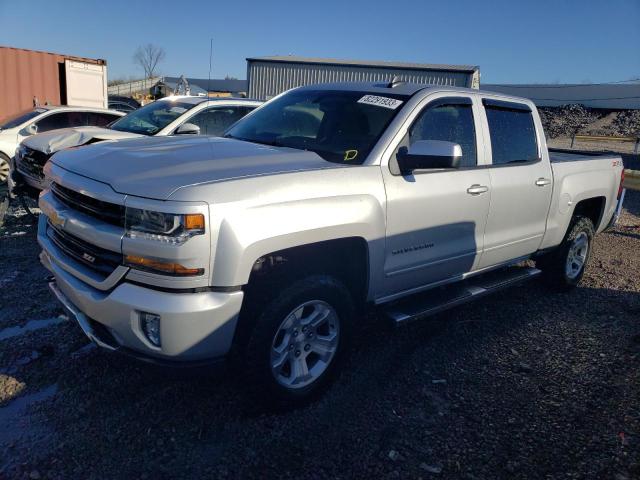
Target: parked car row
[263,246]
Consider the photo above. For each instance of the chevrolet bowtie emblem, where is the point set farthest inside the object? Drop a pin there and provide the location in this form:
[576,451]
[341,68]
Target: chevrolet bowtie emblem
[56,219]
[88,257]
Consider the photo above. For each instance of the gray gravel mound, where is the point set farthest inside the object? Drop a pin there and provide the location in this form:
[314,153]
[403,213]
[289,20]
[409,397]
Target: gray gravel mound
[576,119]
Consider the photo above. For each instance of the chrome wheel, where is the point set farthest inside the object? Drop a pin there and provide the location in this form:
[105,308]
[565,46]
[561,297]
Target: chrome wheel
[4,170]
[577,255]
[305,344]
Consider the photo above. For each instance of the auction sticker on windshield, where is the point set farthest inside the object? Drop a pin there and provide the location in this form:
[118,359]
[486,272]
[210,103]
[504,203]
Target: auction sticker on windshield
[385,102]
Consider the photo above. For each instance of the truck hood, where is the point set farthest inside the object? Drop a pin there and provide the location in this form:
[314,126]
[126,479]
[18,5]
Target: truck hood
[155,167]
[56,140]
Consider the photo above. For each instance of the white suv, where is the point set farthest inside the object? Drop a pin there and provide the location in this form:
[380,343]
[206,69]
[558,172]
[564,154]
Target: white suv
[168,116]
[43,119]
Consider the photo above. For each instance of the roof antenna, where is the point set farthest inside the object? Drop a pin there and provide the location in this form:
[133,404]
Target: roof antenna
[395,81]
[210,55]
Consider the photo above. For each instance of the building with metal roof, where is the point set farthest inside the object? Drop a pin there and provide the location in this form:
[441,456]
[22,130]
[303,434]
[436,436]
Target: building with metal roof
[269,76]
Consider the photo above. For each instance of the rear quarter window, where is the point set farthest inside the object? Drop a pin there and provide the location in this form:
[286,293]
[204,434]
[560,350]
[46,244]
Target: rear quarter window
[513,135]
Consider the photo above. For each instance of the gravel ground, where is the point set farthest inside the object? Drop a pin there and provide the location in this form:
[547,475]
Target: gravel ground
[567,120]
[527,384]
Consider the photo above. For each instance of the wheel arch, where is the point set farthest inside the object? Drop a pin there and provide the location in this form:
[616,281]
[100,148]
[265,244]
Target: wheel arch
[592,208]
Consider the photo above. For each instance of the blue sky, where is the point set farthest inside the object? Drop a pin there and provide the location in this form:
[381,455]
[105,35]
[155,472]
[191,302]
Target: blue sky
[512,41]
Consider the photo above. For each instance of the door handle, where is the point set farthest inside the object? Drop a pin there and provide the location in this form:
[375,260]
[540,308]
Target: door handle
[476,189]
[541,182]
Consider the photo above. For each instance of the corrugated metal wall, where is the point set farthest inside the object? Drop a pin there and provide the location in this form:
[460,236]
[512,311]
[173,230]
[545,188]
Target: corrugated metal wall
[267,79]
[28,73]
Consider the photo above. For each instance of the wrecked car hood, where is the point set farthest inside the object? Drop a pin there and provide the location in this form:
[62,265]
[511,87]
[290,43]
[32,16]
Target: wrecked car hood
[56,140]
[155,167]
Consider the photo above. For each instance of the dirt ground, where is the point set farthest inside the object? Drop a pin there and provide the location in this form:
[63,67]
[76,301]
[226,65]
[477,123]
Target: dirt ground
[526,384]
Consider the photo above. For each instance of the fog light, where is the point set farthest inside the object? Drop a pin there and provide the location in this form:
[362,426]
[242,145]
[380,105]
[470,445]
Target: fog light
[150,324]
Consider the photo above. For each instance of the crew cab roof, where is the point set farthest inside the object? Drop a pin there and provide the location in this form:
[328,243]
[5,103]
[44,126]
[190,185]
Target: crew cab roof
[400,88]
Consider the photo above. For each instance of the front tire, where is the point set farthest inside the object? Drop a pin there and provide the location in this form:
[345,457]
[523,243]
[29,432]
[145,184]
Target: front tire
[29,204]
[4,168]
[298,342]
[564,267]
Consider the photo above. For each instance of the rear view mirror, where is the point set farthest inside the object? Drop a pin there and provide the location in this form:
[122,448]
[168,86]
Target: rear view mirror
[425,154]
[188,129]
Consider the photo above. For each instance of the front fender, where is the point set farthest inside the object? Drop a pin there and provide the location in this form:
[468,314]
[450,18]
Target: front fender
[249,234]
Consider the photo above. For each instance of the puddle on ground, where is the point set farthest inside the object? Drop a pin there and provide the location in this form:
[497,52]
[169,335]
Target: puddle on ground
[31,325]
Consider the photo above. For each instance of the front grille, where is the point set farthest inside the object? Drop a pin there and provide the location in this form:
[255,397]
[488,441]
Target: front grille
[32,163]
[96,258]
[105,211]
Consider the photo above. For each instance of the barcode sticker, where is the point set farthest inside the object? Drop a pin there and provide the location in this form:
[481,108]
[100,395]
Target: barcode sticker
[385,102]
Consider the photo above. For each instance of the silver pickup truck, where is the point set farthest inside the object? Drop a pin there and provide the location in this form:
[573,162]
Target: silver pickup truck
[265,246]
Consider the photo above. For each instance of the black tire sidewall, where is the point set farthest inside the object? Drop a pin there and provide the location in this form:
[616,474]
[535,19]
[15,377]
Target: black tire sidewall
[555,265]
[256,358]
[7,160]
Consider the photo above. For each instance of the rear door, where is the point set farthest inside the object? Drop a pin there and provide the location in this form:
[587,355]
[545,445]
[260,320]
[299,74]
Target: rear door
[436,218]
[521,182]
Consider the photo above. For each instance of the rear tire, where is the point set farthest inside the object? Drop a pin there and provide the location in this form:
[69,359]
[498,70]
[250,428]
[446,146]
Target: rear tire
[564,267]
[298,342]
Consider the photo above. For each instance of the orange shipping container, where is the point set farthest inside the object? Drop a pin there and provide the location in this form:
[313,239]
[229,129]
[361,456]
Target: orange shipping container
[25,74]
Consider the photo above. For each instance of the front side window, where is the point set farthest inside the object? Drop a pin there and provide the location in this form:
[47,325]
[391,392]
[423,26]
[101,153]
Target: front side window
[449,122]
[215,121]
[62,120]
[513,135]
[152,118]
[340,126]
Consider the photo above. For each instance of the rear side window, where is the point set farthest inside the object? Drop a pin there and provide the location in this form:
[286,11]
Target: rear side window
[99,119]
[215,121]
[450,123]
[513,135]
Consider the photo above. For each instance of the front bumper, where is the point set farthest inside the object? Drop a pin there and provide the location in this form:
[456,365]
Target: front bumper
[195,328]
[20,184]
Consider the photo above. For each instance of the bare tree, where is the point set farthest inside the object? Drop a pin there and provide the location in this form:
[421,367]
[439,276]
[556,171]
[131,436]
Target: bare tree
[148,56]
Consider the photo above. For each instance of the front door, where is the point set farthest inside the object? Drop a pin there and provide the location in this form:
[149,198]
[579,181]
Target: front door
[436,218]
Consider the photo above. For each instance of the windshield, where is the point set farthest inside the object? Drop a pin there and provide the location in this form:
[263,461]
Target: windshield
[340,126]
[152,118]
[21,118]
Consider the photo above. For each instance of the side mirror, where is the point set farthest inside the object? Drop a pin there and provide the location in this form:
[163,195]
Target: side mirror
[31,129]
[188,129]
[425,154]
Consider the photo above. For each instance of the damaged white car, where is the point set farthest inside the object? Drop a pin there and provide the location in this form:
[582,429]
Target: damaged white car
[168,116]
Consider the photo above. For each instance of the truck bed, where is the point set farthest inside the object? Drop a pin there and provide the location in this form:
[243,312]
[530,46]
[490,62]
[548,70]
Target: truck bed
[560,155]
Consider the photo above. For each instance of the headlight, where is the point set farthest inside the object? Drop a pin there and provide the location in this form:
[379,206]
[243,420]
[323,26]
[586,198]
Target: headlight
[163,227]
[20,151]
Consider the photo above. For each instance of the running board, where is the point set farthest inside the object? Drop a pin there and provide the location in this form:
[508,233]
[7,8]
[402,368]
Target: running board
[449,296]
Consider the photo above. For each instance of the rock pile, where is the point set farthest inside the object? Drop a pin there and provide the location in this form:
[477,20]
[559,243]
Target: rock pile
[568,120]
